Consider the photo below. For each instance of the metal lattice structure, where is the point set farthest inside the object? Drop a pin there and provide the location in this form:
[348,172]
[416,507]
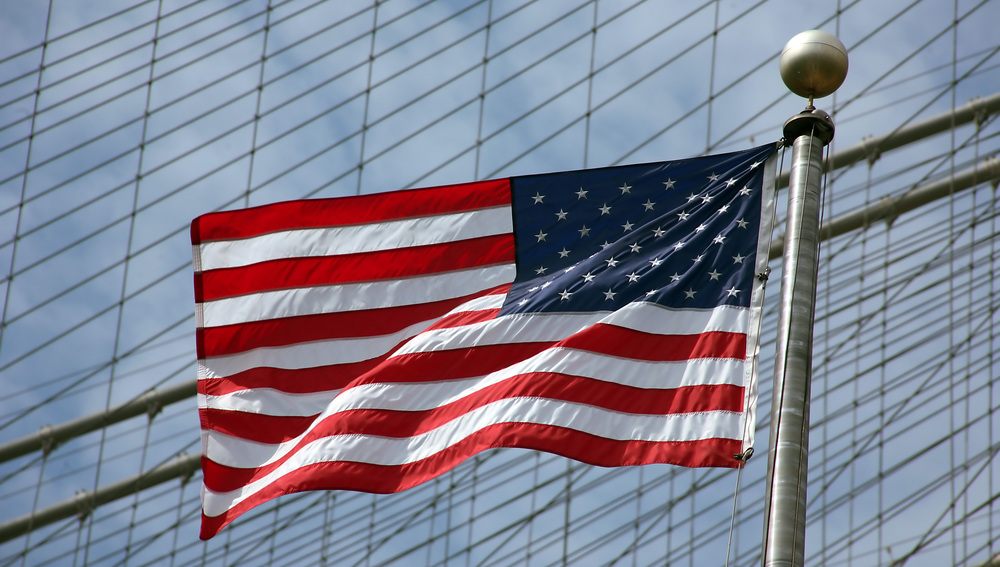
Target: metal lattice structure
[120,121]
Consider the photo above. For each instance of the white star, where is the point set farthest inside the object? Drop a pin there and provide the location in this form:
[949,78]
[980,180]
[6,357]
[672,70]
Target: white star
[564,295]
[635,247]
[713,177]
[633,277]
[611,262]
[713,275]
[658,232]
[569,269]
[584,231]
[533,289]
[540,236]
[563,253]
[678,245]
[745,191]
[651,292]
[723,209]
[581,194]
[541,270]
[706,198]
[754,165]
[625,188]
[609,295]
[648,204]
[588,277]
[698,258]
[732,291]
[538,198]
[730,182]
[682,216]
[700,227]
[546,284]
[737,259]
[692,197]
[675,278]
[689,294]
[656,262]
[627,226]
[605,245]
[561,215]
[605,210]
[742,223]
[523,302]
[668,184]
[719,239]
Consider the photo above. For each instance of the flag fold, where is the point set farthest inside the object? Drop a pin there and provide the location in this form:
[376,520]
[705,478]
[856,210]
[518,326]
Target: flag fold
[375,342]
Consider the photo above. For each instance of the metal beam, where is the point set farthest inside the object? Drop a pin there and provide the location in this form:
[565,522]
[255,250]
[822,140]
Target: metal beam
[888,208]
[977,109]
[84,502]
[49,437]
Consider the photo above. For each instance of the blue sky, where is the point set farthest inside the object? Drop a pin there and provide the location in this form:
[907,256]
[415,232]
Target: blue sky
[130,139]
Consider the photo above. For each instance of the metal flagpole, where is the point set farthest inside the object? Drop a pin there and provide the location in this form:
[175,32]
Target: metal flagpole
[813,64]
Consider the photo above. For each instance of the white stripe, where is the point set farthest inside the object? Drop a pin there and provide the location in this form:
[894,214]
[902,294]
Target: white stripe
[507,329]
[588,419]
[355,239]
[307,355]
[658,319]
[267,401]
[529,327]
[483,303]
[354,297]
[418,396]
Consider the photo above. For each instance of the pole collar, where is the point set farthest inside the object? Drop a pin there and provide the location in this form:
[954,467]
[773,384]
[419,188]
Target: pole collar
[810,121]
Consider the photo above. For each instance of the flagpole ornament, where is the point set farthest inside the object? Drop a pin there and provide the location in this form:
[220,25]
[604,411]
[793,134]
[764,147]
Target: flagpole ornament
[813,64]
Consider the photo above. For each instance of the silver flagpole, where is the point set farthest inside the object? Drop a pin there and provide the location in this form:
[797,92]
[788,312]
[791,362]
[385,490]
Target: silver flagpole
[813,64]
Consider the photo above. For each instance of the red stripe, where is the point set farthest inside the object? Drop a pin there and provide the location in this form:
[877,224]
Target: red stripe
[450,364]
[232,339]
[465,318]
[255,426]
[343,211]
[629,343]
[392,423]
[569,443]
[410,367]
[299,381]
[347,268]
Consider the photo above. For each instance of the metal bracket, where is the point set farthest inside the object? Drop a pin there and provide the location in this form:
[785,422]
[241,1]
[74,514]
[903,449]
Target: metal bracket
[47,439]
[84,504]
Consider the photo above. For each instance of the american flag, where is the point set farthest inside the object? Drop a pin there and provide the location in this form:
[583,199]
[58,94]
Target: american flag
[374,342]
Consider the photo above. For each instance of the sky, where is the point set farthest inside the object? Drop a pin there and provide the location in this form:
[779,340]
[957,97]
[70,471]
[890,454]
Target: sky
[121,121]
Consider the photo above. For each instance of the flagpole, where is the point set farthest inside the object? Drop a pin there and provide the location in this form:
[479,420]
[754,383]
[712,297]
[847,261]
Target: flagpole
[813,64]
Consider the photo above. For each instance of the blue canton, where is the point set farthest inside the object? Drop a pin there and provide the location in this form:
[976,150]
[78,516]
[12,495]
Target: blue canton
[680,233]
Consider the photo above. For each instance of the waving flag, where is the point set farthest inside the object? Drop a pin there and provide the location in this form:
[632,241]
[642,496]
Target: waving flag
[374,342]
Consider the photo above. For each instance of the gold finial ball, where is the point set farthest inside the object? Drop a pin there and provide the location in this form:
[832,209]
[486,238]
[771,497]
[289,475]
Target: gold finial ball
[813,64]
